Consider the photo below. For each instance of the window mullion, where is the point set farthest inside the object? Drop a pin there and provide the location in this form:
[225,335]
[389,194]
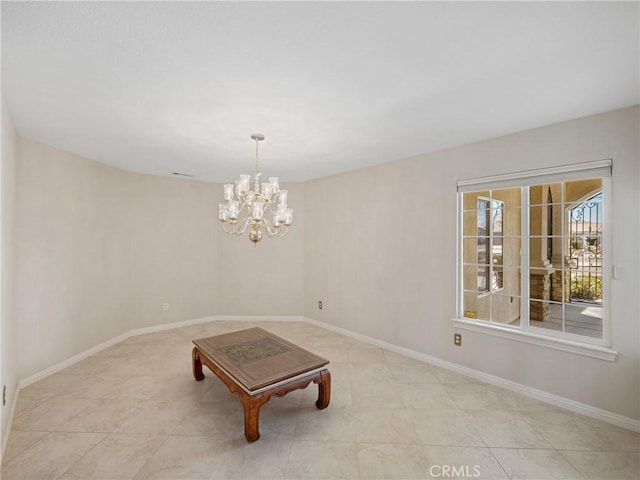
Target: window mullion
[565,239]
[608,258]
[524,259]
[460,251]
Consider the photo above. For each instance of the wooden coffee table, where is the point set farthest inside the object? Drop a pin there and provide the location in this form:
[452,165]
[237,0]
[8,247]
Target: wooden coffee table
[257,365]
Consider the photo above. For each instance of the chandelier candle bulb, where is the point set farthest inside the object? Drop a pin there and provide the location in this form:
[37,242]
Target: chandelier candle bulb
[223,212]
[283,197]
[242,185]
[233,210]
[228,192]
[244,209]
[258,211]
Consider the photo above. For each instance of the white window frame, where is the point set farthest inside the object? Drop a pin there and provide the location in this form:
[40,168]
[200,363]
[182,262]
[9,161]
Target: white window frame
[582,345]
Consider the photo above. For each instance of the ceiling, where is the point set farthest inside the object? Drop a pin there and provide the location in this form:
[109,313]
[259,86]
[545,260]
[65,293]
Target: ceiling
[162,87]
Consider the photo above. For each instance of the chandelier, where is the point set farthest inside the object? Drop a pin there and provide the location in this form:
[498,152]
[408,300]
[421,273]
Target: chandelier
[261,208]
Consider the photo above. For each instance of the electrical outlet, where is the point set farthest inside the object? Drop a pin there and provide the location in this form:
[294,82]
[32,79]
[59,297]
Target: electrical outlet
[319,304]
[457,339]
[165,307]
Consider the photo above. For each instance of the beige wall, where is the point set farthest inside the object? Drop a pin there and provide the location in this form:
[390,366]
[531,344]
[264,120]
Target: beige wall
[269,274]
[101,250]
[386,267]
[8,353]
[73,260]
[173,252]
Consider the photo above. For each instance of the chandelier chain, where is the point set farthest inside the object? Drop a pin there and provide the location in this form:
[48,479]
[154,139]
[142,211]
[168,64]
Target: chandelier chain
[257,142]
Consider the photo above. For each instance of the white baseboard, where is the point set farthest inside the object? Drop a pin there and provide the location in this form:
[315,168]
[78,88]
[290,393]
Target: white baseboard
[566,403]
[143,331]
[261,318]
[169,326]
[70,361]
[572,405]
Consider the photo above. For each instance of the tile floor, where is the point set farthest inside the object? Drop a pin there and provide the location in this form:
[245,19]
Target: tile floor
[134,411]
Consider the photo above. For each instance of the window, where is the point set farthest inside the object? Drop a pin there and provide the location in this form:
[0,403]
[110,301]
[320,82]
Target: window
[533,247]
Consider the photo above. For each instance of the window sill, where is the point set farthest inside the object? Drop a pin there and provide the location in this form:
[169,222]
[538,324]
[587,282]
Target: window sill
[594,351]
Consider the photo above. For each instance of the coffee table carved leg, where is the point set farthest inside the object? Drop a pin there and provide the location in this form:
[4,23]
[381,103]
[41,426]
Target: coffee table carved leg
[251,405]
[324,389]
[197,364]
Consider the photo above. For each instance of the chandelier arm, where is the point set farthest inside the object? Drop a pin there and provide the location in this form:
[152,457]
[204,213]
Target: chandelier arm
[230,229]
[226,226]
[237,228]
[277,232]
[271,230]
[243,206]
[245,222]
[281,232]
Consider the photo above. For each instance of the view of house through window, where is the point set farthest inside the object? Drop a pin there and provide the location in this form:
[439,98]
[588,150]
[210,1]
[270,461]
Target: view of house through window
[532,257]
[490,276]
